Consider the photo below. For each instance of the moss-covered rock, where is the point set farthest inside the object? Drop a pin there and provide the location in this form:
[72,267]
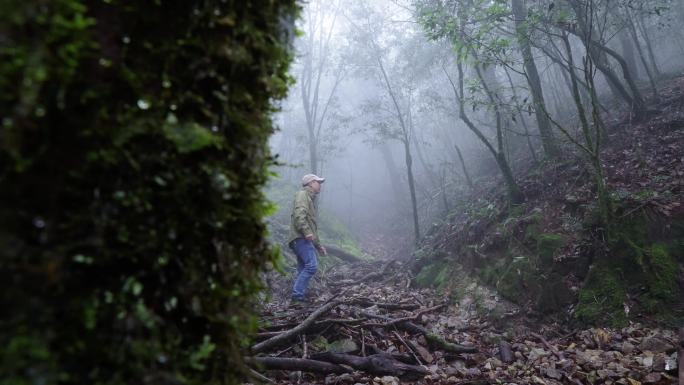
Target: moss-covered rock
[602,297]
[548,245]
[660,270]
[433,275]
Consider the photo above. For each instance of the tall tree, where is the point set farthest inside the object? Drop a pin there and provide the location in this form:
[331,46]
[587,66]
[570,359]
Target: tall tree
[459,25]
[319,75]
[551,149]
[397,86]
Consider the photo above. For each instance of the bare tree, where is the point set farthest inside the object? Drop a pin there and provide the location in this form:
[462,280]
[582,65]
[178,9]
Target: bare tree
[316,60]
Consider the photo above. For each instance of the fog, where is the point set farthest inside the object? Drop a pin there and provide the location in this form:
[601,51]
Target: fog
[377,80]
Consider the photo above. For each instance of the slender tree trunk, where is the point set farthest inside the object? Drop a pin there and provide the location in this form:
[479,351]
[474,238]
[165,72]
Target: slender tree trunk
[516,196]
[412,187]
[523,122]
[649,45]
[592,145]
[397,190]
[551,149]
[598,52]
[463,166]
[635,38]
[407,147]
[423,162]
[514,193]
[445,201]
[313,155]
[628,52]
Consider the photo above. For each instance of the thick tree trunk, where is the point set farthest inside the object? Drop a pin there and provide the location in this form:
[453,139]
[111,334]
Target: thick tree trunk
[551,149]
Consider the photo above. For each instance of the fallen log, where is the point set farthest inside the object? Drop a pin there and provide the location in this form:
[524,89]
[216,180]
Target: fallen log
[376,364]
[342,254]
[299,329]
[305,365]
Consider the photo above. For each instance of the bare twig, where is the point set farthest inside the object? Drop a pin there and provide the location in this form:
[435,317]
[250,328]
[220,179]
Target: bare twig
[410,348]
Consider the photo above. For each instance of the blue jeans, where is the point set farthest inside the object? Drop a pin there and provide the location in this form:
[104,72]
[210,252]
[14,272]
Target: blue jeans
[306,265]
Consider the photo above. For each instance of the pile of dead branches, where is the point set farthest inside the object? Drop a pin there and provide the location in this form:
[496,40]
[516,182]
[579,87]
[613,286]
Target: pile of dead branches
[352,332]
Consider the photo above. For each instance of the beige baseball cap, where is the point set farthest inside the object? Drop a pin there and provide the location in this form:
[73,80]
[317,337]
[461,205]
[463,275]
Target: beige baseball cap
[308,178]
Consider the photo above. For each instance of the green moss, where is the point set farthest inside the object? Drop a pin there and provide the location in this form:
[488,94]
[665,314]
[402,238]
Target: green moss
[601,299]
[661,276]
[433,275]
[547,245]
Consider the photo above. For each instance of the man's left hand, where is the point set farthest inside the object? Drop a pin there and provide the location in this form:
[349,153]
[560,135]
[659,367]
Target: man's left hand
[322,250]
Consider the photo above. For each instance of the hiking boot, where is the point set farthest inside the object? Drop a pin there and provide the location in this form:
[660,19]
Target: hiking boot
[299,302]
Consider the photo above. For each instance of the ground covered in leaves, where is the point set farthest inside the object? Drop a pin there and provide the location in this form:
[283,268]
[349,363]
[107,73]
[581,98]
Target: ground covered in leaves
[367,325]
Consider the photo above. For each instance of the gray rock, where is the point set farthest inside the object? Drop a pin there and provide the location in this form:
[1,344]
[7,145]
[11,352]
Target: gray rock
[553,373]
[343,346]
[626,348]
[655,344]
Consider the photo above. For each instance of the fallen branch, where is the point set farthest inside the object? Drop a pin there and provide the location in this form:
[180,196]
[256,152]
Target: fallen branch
[393,321]
[376,364]
[296,364]
[258,376]
[433,339]
[302,327]
[548,345]
[317,325]
[389,306]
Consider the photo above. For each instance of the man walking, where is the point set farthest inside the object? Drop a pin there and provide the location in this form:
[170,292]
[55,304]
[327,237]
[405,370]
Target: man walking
[304,239]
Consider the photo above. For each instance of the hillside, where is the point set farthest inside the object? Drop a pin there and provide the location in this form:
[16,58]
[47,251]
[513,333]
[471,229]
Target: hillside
[550,255]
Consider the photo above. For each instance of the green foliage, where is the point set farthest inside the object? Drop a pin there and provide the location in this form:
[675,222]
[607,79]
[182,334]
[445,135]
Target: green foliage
[132,157]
